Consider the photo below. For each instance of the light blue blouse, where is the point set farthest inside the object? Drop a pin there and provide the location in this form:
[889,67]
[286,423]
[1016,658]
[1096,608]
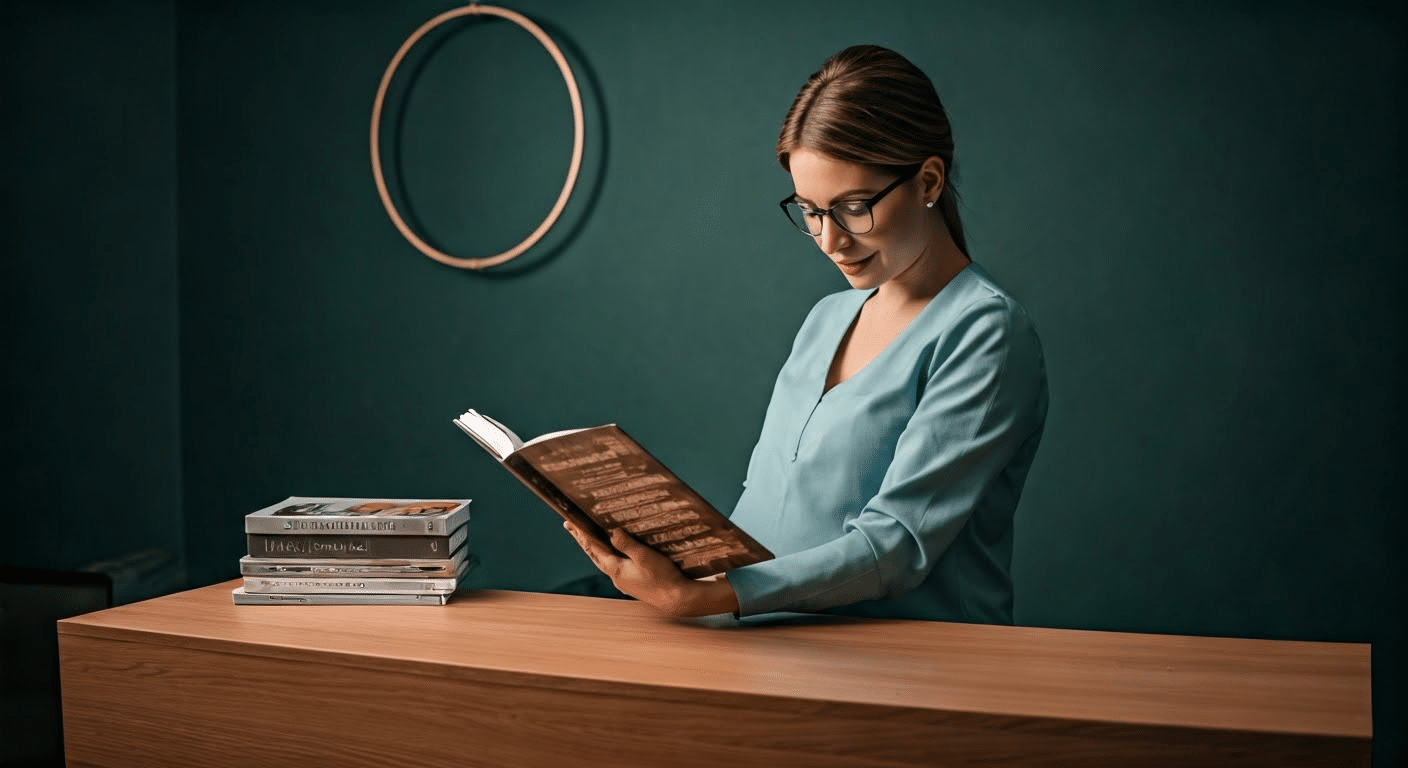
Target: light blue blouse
[893,494]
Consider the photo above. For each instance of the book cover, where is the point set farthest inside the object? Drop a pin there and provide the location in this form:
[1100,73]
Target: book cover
[300,585]
[359,546]
[315,584]
[307,584]
[371,517]
[241,597]
[600,478]
[384,568]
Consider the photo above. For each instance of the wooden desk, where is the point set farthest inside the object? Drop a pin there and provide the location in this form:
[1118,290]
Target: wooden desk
[522,679]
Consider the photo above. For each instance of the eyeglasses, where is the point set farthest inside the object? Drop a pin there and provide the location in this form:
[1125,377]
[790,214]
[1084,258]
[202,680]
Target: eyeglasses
[854,216]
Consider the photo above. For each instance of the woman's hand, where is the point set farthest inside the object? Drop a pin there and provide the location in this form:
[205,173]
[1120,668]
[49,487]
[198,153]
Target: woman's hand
[654,579]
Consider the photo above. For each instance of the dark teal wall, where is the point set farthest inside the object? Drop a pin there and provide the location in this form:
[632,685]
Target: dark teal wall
[91,450]
[1198,207]
[1198,204]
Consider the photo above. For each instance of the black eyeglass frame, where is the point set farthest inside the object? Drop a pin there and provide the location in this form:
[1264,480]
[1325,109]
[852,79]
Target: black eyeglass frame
[869,205]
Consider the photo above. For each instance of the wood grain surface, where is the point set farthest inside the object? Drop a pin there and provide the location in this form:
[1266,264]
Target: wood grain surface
[523,679]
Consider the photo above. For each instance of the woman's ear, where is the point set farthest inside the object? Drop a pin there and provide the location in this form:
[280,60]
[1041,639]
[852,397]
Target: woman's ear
[932,177]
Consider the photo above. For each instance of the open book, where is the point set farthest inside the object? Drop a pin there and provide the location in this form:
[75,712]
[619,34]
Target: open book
[599,479]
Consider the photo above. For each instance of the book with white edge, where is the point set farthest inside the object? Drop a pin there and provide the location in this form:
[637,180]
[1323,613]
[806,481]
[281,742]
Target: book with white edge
[385,568]
[297,586]
[355,545]
[321,515]
[600,478]
[342,584]
[241,597]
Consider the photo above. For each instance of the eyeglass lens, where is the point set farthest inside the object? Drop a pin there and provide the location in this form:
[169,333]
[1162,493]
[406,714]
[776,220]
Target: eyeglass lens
[854,218]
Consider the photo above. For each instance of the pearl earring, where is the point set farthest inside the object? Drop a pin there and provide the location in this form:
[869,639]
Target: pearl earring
[929,204]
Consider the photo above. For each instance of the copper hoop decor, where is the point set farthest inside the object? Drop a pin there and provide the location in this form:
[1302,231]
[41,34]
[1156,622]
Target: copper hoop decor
[577,121]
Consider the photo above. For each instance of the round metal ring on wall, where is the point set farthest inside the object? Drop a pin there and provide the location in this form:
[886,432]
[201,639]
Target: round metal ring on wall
[577,138]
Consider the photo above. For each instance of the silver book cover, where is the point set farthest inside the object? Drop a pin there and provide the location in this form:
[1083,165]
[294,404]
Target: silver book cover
[339,515]
[348,598]
[385,568]
[289,585]
[354,584]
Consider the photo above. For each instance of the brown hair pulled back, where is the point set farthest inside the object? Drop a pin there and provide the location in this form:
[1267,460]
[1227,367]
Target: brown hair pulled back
[870,105]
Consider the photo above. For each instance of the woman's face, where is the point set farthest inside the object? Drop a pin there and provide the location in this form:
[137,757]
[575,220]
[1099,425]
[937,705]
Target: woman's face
[903,227]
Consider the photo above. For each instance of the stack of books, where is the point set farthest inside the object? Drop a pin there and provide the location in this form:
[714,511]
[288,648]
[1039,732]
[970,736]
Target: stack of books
[355,552]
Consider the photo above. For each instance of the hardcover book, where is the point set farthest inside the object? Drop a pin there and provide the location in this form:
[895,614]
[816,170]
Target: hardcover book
[292,585]
[385,568]
[371,517]
[304,584]
[600,478]
[241,597]
[358,546]
[295,585]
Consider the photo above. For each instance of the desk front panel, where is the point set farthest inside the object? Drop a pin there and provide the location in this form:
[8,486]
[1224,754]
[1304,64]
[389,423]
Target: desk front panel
[517,679]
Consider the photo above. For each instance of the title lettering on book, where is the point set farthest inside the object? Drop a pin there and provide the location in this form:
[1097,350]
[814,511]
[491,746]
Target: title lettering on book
[633,500]
[339,525]
[704,542]
[578,461]
[659,515]
[314,583]
[674,534]
[634,484]
[315,546]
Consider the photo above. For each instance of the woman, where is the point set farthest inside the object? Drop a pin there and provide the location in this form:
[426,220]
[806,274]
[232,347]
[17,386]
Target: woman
[902,425]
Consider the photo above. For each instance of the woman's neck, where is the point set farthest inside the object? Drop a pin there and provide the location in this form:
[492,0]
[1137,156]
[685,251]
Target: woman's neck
[940,262]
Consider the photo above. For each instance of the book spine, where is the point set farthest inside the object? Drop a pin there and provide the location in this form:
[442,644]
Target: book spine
[242,597]
[333,569]
[460,563]
[320,525]
[361,547]
[287,585]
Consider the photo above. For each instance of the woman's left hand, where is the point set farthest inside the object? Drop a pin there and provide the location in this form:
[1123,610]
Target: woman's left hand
[654,579]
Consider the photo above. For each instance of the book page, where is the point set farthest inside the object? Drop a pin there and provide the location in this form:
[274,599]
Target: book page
[491,435]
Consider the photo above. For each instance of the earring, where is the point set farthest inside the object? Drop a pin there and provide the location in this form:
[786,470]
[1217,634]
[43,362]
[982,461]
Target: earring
[929,204]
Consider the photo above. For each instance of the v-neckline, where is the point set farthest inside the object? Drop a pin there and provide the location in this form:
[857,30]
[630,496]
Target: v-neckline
[891,344]
[849,328]
[836,348]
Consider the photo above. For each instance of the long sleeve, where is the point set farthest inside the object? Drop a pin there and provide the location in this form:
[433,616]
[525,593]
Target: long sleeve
[948,424]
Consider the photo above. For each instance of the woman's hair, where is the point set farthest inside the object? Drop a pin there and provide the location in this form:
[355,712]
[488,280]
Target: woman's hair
[870,105]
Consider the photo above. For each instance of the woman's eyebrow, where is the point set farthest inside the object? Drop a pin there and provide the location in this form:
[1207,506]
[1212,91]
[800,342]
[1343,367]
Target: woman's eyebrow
[867,192]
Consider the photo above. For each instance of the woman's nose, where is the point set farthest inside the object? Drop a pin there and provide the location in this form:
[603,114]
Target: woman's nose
[832,237]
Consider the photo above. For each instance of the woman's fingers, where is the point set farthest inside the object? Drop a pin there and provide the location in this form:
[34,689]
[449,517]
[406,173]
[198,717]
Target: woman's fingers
[583,541]
[626,544]
[603,560]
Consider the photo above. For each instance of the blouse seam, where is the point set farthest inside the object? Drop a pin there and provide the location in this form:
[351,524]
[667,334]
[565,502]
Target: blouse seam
[1001,370]
[987,411]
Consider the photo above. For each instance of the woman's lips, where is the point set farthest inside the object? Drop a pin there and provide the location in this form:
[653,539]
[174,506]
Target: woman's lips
[855,267]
